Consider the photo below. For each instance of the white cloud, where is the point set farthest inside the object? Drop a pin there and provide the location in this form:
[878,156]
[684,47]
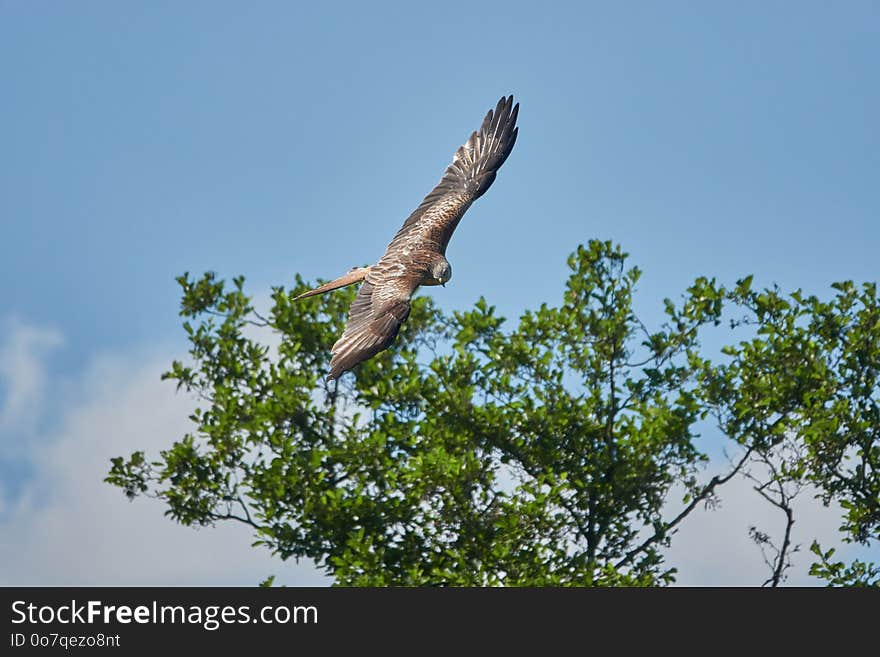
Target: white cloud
[67,527]
[22,352]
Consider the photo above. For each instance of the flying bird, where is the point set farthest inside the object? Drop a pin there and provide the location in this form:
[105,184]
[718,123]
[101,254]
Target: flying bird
[417,254]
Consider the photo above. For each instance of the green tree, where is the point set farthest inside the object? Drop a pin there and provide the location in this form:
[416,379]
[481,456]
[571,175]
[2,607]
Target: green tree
[809,380]
[562,451]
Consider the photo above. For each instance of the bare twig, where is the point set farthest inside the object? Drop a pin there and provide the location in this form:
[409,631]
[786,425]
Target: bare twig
[775,492]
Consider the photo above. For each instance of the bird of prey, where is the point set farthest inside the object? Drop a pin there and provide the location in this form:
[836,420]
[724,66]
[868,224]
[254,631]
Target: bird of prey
[417,254]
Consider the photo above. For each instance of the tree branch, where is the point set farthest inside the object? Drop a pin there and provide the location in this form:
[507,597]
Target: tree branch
[707,490]
[780,562]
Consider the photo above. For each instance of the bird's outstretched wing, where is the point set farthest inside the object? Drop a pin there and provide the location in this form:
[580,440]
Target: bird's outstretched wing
[374,319]
[471,173]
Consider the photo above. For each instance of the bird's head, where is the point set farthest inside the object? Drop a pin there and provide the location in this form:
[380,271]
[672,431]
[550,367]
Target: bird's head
[441,271]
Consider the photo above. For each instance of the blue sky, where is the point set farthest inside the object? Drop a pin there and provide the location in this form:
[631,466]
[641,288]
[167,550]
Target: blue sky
[142,140]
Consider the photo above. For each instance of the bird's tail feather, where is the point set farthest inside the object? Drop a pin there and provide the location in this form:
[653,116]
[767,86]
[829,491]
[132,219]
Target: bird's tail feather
[356,275]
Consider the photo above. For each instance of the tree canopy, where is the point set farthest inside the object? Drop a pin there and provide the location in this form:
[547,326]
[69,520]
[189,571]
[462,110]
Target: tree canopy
[564,449]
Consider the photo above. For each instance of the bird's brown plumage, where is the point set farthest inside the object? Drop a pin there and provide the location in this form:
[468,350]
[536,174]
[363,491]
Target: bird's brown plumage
[416,255]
